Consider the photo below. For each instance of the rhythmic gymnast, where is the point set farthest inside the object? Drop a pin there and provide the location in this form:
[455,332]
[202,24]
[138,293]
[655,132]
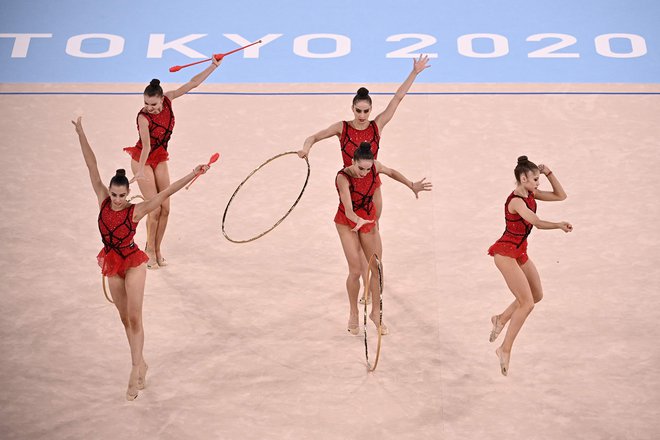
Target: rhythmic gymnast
[121,260]
[510,251]
[361,129]
[155,122]
[356,224]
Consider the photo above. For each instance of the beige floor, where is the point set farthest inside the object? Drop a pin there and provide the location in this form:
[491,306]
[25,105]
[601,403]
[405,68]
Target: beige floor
[248,341]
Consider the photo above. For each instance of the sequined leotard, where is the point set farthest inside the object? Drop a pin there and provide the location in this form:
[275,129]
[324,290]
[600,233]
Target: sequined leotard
[119,252]
[160,131]
[513,242]
[351,138]
[362,191]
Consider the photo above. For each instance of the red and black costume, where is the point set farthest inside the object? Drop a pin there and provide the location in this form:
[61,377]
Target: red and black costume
[119,252]
[362,192]
[351,138]
[160,131]
[513,242]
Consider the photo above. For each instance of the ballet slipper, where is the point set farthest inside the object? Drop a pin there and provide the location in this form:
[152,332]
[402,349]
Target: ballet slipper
[383,328]
[504,361]
[368,300]
[497,327]
[162,262]
[152,263]
[353,329]
[132,390]
[142,376]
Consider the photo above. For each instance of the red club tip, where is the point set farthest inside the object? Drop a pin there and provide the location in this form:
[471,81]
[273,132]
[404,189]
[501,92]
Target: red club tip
[175,68]
[214,158]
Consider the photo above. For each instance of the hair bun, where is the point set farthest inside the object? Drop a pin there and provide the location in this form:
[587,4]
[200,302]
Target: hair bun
[365,147]
[522,159]
[362,91]
[154,82]
[120,172]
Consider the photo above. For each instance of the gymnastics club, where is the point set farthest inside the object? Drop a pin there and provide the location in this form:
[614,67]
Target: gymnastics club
[213,158]
[217,56]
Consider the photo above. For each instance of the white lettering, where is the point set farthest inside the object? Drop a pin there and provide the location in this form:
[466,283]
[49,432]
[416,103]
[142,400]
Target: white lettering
[425,40]
[342,46]
[466,48]
[22,43]
[157,46]
[252,51]
[637,46]
[115,46]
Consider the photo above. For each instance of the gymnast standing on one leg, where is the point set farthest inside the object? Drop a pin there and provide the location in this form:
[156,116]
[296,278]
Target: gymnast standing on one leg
[355,222]
[510,251]
[155,123]
[121,261]
[361,129]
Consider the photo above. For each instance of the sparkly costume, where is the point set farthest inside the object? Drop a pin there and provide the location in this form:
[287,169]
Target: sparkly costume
[351,138]
[362,192]
[160,131]
[513,242]
[119,252]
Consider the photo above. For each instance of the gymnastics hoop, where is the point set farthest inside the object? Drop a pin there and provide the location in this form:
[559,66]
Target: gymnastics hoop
[371,368]
[103,283]
[280,220]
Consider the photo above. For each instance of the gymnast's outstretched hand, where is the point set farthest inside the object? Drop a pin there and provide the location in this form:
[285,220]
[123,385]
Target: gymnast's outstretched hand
[420,186]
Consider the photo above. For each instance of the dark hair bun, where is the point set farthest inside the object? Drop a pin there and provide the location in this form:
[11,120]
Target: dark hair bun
[523,159]
[362,91]
[154,82]
[120,172]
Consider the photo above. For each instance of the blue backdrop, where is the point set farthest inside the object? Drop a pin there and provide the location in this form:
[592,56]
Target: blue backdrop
[587,41]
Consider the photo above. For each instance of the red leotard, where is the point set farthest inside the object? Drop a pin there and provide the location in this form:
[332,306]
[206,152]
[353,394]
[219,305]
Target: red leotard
[362,191]
[351,138]
[119,252]
[160,131]
[513,242]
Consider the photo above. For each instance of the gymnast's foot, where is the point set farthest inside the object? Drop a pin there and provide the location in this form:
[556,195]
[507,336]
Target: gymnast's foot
[153,262]
[362,299]
[132,390]
[353,325]
[142,375]
[497,327]
[376,320]
[504,360]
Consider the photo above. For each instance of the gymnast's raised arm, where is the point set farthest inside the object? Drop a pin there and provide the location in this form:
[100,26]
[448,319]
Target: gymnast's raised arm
[90,160]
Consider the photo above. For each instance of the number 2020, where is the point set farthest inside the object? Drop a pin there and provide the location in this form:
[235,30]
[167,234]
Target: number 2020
[500,46]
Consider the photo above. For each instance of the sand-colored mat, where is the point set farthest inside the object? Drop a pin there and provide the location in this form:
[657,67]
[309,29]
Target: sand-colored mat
[249,341]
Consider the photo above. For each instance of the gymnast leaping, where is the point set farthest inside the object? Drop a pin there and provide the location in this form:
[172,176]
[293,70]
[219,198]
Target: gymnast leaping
[121,260]
[361,129]
[355,222]
[510,251]
[155,122]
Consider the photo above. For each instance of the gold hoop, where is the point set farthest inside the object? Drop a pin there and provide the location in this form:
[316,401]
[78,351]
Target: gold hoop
[103,283]
[224,216]
[375,258]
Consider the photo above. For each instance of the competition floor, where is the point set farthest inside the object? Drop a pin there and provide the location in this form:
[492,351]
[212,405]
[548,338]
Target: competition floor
[249,341]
